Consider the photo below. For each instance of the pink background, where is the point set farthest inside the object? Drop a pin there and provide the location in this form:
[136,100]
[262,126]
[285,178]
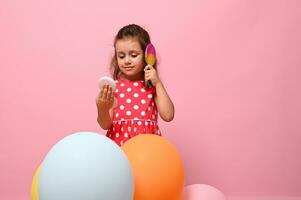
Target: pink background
[232,68]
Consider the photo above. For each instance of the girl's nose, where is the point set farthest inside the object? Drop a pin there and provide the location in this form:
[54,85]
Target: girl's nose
[127,60]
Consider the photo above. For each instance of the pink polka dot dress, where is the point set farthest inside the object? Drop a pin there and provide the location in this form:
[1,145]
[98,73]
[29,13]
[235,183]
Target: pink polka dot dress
[136,112]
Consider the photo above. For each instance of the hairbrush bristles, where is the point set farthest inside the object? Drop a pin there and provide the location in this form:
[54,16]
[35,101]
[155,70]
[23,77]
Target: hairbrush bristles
[150,54]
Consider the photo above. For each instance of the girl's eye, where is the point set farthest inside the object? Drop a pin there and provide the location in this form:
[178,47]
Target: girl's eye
[134,55]
[121,57]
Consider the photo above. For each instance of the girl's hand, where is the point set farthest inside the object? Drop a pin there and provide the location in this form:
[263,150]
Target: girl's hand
[151,74]
[105,98]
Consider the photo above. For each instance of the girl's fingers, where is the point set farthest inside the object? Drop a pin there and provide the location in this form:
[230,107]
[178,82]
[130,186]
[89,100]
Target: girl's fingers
[148,67]
[147,77]
[109,94]
[101,93]
[147,74]
[97,97]
[104,92]
[105,97]
[112,99]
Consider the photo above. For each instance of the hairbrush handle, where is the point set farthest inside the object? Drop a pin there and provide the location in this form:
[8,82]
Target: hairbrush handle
[149,83]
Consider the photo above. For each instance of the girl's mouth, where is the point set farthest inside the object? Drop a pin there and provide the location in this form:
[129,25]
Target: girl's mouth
[128,68]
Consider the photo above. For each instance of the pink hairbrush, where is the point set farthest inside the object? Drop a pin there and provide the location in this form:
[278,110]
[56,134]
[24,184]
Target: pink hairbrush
[150,58]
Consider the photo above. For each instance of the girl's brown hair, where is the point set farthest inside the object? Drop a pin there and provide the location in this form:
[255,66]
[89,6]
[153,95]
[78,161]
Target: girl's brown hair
[134,31]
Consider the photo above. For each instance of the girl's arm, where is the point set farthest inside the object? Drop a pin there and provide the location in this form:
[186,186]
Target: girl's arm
[104,102]
[164,104]
[104,118]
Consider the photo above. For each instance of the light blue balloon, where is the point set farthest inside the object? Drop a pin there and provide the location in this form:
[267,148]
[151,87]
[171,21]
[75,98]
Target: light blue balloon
[86,166]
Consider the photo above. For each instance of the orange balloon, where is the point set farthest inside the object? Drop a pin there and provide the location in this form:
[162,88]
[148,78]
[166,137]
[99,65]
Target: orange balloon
[157,168]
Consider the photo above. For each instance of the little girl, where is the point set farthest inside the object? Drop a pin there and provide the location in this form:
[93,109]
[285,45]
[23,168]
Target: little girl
[137,106]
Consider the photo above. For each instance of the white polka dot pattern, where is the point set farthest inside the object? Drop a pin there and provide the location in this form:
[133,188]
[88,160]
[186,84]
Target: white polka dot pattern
[135,112]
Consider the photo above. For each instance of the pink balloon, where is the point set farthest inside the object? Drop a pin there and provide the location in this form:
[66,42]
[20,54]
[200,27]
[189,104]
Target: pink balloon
[202,192]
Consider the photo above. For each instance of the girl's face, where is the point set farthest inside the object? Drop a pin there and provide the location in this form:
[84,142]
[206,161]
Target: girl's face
[130,58]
